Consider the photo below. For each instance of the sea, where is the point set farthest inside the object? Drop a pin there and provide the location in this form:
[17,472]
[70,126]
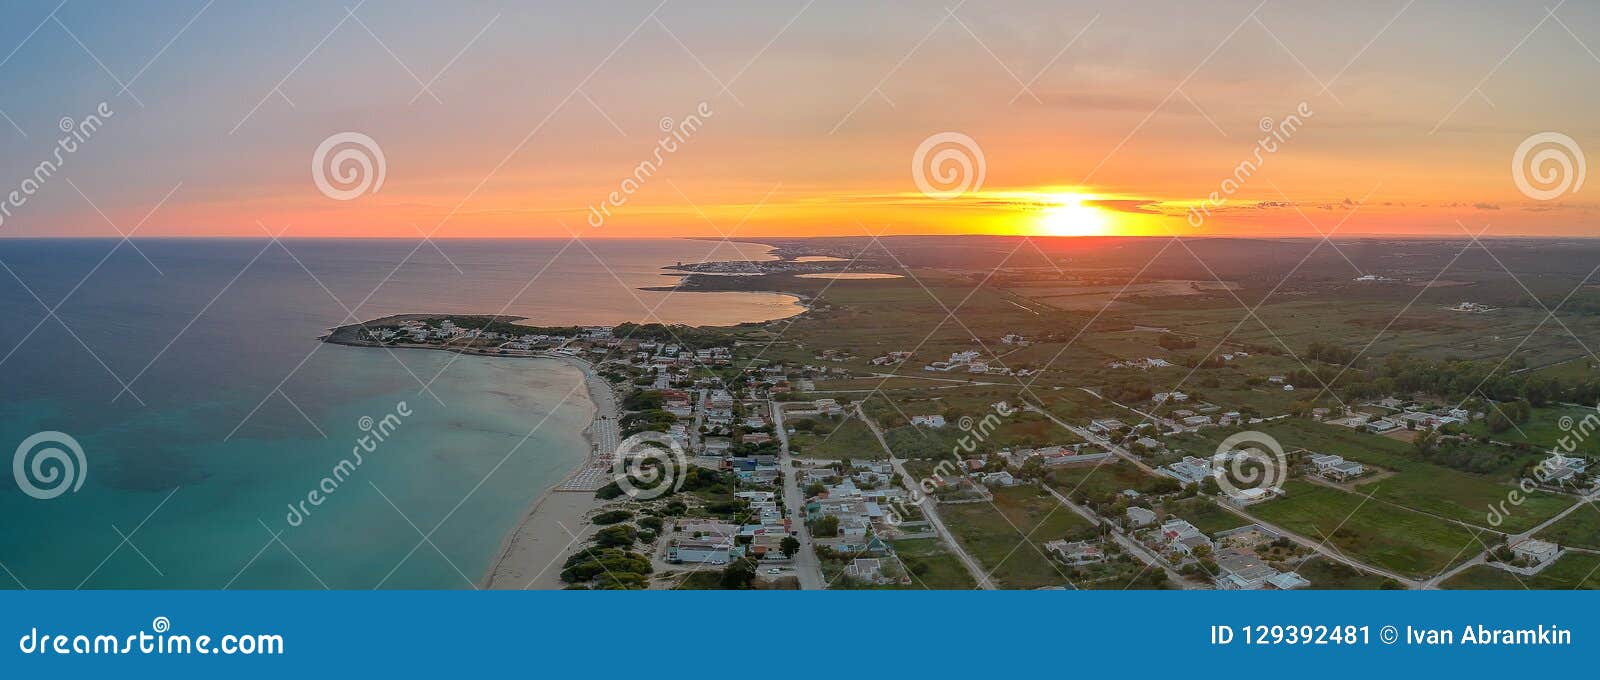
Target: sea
[190,376]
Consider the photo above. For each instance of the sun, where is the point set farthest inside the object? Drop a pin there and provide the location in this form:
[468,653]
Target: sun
[1068,216]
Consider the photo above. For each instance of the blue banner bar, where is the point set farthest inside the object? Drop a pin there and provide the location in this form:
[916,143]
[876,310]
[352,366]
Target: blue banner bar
[931,634]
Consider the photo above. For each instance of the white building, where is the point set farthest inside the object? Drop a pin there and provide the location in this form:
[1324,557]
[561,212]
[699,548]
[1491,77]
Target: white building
[1535,551]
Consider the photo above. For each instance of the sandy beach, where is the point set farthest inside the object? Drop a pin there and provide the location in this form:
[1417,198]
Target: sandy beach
[531,555]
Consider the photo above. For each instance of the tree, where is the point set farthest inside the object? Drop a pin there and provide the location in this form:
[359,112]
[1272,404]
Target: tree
[789,545]
[826,527]
[739,574]
[619,536]
[1425,443]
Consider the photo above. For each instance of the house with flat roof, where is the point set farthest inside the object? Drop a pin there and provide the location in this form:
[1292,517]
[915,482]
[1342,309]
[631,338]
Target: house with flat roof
[1336,467]
[1288,580]
[1140,517]
[1382,425]
[700,551]
[865,568]
[1190,470]
[1076,552]
[1181,538]
[1535,551]
[1105,425]
[1559,468]
[1240,570]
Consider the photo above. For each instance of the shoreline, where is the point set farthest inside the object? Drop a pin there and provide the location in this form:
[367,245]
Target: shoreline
[558,517]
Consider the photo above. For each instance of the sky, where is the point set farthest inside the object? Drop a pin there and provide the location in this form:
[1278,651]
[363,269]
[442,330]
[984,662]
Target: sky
[795,118]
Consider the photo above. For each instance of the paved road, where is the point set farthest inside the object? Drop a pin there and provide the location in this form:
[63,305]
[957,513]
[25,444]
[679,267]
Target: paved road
[1092,438]
[1132,546]
[1582,501]
[806,566]
[1483,556]
[1433,583]
[1171,424]
[699,419]
[1068,504]
[928,505]
[1144,555]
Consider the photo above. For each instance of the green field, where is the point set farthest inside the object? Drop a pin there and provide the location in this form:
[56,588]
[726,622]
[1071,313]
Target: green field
[1581,529]
[1099,482]
[1466,498]
[1205,515]
[1326,574]
[1415,483]
[1543,429]
[833,439]
[1008,537]
[932,566]
[1400,540]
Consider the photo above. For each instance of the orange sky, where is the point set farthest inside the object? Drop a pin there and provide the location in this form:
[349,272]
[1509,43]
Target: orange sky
[807,120]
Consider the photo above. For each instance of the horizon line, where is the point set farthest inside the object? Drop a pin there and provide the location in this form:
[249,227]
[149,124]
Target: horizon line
[758,239]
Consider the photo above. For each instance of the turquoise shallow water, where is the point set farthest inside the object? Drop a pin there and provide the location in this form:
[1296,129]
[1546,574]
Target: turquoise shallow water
[223,498]
[245,412]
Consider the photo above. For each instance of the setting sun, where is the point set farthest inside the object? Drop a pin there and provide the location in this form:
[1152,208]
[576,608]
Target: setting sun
[1068,216]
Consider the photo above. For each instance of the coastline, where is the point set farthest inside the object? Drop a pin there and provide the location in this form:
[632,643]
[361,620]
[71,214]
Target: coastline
[558,519]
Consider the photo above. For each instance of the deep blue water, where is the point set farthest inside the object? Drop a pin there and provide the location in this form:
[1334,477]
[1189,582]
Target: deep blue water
[232,409]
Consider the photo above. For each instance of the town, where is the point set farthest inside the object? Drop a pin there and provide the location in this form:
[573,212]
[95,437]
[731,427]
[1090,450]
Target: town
[820,459]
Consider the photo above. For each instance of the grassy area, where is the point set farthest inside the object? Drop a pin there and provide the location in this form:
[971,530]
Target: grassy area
[1465,497]
[1572,571]
[1415,483]
[833,438]
[1543,429]
[1008,537]
[1099,481]
[932,565]
[1580,529]
[1382,535]
[1326,574]
[1205,515]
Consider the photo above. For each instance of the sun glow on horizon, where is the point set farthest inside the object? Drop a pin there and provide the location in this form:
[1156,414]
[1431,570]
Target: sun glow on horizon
[1067,215]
